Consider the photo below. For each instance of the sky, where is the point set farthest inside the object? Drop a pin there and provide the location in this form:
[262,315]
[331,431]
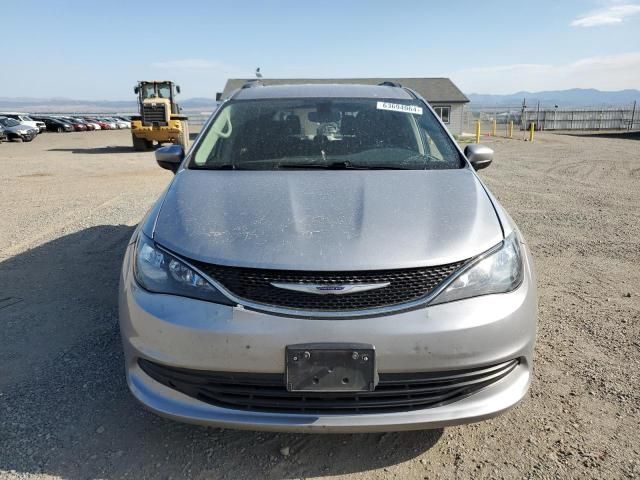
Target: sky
[98,50]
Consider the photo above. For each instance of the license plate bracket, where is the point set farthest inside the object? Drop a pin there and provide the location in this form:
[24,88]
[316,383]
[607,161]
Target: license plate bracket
[331,367]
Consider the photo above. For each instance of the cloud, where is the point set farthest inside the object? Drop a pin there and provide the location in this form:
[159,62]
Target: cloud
[192,64]
[612,72]
[612,15]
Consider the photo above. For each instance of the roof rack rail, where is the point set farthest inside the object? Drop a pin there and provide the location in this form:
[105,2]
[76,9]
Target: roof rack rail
[252,83]
[389,84]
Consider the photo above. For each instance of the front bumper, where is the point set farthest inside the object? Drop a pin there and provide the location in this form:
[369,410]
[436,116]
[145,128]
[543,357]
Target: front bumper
[25,136]
[192,334]
[161,133]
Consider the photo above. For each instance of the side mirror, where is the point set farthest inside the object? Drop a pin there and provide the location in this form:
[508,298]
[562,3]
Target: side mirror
[479,156]
[178,88]
[170,157]
[136,90]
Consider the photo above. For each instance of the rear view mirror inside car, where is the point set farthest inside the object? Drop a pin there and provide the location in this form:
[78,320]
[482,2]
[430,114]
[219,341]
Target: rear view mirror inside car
[324,116]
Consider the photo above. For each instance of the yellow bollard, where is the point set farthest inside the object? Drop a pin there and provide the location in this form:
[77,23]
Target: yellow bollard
[511,129]
[531,128]
[493,130]
[478,131]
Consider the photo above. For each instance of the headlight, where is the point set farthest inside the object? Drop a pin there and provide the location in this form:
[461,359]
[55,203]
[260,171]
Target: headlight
[159,272]
[500,272]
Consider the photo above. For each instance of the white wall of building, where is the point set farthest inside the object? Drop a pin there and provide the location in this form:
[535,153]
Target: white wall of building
[456,116]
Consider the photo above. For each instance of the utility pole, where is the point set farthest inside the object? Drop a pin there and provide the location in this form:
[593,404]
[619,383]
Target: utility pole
[633,115]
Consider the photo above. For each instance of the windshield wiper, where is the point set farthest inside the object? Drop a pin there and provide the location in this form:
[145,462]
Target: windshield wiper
[341,166]
[223,166]
[389,166]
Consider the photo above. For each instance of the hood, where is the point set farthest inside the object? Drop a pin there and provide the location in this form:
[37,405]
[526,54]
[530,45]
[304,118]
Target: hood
[327,220]
[22,128]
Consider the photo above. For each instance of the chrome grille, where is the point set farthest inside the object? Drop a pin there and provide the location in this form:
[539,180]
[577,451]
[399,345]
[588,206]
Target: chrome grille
[405,285]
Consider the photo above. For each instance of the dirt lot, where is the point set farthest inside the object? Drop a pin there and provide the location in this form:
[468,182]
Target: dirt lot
[69,204]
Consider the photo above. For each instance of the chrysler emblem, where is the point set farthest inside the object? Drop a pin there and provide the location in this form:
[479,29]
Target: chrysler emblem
[330,289]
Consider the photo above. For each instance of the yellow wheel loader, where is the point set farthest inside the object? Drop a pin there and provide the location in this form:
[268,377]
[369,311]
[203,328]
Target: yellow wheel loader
[159,119]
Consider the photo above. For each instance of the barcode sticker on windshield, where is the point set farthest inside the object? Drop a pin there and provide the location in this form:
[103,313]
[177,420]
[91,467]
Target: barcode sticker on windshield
[398,107]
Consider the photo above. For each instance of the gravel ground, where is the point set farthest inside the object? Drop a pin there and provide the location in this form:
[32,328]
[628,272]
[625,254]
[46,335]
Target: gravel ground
[70,202]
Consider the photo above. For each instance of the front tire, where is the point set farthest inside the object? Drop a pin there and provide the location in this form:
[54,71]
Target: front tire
[139,144]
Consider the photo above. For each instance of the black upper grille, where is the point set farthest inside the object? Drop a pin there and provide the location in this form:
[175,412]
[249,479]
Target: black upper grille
[153,113]
[395,392]
[405,285]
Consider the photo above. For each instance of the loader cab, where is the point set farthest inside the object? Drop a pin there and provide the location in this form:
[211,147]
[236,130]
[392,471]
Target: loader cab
[149,92]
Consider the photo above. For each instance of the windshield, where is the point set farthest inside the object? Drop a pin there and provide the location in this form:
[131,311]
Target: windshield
[148,90]
[164,90]
[9,122]
[325,133]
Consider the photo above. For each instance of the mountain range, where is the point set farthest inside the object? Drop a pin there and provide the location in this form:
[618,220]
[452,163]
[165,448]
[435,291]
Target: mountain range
[575,97]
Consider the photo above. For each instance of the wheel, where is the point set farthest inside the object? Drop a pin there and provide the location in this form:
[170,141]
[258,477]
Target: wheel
[183,138]
[139,144]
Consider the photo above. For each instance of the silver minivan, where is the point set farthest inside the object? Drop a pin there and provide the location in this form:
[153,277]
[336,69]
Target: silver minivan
[326,259]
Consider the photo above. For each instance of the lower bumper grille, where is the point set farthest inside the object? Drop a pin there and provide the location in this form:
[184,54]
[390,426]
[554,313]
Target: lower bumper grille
[396,392]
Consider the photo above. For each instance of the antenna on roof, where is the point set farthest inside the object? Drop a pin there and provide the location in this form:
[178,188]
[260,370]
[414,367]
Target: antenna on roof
[258,74]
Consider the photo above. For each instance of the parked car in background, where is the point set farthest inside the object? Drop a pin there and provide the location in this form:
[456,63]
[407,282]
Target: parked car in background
[25,119]
[67,122]
[96,125]
[121,123]
[15,130]
[103,125]
[126,120]
[89,125]
[112,123]
[77,126]
[55,125]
